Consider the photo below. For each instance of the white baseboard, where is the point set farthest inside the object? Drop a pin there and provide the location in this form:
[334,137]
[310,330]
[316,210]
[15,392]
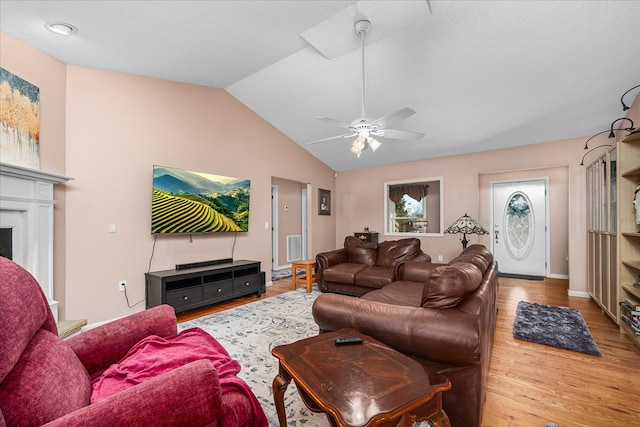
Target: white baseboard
[580,294]
[572,293]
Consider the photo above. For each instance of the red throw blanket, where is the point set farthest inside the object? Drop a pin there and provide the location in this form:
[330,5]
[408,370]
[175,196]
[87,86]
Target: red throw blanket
[154,356]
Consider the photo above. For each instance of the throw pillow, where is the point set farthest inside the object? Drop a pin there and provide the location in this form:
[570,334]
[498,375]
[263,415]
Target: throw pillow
[451,284]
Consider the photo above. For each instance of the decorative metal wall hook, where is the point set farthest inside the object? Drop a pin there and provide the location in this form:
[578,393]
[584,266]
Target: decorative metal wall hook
[594,148]
[586,144]
[624,106]
[630,129]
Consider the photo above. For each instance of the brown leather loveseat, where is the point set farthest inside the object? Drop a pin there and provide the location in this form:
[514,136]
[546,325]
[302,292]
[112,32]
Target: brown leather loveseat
[360,267]
[442,315]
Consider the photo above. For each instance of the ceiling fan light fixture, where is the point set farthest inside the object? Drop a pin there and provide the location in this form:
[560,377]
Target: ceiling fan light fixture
[364,129]
[358,145]
[374,144]
[359,141]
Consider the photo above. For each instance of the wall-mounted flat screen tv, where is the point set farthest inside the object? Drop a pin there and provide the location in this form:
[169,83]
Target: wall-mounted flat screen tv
[194,202]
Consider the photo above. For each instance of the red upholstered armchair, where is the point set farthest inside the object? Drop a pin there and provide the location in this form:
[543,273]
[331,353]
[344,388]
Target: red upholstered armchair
[45,380]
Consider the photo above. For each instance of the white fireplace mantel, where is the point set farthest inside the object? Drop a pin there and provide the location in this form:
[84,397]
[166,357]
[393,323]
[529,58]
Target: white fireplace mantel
[26,206]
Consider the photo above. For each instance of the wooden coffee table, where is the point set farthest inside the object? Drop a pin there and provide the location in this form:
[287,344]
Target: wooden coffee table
[368,384]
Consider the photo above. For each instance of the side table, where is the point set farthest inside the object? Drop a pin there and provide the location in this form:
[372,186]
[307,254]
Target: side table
[309,267]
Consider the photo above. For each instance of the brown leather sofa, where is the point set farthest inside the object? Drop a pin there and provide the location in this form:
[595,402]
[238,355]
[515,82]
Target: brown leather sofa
[360,267]
[442,315]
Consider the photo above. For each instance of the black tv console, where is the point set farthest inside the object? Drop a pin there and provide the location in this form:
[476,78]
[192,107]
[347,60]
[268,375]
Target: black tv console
[188,288]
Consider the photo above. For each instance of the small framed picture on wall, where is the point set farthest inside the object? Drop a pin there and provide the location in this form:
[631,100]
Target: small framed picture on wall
[324,202]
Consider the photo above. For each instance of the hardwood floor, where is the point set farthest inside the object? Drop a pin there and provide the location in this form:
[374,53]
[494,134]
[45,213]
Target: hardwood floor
[532,384]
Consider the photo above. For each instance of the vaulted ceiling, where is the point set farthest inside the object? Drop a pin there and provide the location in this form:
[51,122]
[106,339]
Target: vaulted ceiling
[480,75]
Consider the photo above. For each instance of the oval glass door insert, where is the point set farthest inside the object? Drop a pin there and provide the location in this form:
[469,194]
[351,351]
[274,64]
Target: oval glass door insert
[519,224]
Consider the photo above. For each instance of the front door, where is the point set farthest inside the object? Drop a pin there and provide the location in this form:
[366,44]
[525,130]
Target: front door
[519,240]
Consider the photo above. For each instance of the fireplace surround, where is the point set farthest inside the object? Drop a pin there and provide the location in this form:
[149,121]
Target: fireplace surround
[26,208]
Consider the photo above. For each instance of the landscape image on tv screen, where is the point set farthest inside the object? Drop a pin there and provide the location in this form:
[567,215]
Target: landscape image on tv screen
[193,202]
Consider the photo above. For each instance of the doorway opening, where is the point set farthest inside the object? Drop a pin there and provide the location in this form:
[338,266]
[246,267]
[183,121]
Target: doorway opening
[289,225]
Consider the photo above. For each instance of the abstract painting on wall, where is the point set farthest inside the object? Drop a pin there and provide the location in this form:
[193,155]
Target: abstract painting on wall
[19,121]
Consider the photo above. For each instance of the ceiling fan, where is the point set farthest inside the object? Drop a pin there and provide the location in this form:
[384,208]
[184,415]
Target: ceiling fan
[365,129]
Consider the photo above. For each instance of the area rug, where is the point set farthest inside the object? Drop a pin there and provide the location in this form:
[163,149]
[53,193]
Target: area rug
[561,327]
[249,332]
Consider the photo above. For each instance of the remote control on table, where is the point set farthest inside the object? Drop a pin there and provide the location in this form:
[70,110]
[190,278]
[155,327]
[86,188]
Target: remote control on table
[348,340]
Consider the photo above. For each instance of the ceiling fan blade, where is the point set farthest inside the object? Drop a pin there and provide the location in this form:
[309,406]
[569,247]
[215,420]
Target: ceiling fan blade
[400,134]
[330,138]
[392,118]
[335,122]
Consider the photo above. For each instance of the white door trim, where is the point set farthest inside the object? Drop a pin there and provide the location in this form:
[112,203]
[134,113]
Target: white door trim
[306,240]
[274,226]
[304,213]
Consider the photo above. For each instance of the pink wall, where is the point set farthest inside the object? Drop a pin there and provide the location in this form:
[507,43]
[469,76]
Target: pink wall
[118,127]
[49,75]
[466,189]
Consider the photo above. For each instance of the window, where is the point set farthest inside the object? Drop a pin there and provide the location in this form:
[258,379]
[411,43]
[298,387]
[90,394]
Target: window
[414,207]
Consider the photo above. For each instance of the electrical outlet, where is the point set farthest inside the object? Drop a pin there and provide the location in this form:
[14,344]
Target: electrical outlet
[440,259]
[121,285]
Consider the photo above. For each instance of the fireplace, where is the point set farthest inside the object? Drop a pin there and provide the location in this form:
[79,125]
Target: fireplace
[6,242]
[26,222]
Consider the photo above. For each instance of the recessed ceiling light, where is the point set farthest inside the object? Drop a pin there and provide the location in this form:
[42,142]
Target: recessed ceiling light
[61,28]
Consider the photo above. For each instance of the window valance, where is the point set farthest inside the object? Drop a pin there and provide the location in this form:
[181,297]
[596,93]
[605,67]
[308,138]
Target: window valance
[416,191]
